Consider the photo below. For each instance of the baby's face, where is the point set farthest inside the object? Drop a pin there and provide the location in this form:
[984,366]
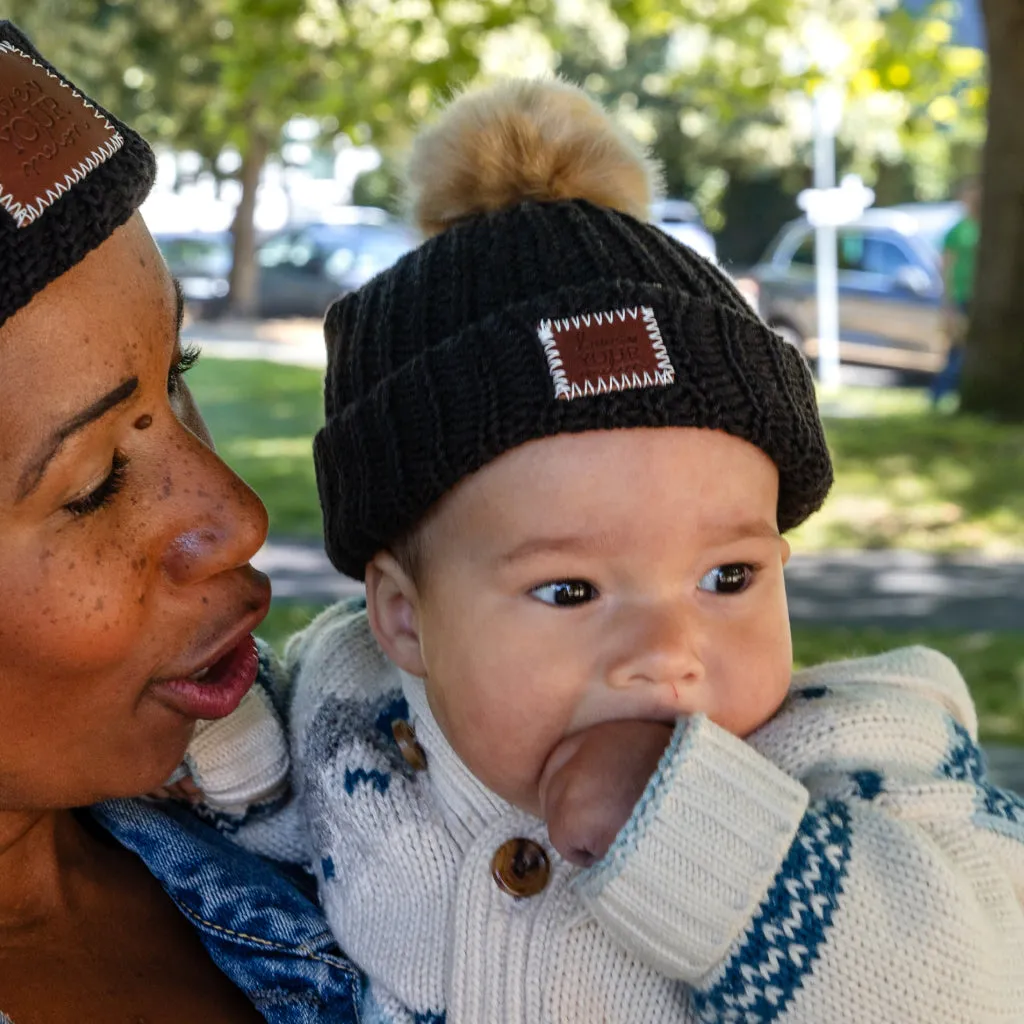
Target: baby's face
[579,579]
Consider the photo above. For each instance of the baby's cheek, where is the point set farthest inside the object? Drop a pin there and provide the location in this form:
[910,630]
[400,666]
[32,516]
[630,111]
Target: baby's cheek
[506,752]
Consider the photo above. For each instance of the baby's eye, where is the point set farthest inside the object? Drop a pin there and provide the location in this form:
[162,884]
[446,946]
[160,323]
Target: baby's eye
[566,593]
[727,579]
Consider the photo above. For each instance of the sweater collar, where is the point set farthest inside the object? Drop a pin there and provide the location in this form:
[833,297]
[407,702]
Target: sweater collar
[467,805]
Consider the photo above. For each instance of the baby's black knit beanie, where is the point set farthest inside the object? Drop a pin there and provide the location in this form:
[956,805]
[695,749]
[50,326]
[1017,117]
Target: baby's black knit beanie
[541,309]
[70,172]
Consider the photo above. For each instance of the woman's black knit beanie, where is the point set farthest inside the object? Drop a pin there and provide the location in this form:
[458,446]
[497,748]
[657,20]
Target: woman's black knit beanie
[532,320]
[70,173]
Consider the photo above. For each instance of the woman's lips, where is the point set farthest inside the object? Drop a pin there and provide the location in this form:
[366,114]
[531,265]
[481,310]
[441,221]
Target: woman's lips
[221,689]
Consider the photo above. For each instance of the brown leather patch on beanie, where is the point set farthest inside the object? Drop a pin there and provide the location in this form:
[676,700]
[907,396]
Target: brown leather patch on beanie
[596,353]
[51,137]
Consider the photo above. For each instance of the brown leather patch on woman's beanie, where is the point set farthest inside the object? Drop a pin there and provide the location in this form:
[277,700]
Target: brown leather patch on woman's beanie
[51,137]
[596,353]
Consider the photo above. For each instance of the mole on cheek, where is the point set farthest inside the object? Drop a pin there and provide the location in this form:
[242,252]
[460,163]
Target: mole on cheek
[143,422]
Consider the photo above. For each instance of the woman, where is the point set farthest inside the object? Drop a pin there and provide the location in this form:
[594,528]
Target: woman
[125,612]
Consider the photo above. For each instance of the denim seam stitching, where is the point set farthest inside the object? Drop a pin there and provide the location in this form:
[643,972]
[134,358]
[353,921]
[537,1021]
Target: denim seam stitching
[330,961]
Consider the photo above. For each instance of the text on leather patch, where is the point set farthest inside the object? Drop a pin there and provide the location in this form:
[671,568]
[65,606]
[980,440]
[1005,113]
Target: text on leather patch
[51,137]
[597,353]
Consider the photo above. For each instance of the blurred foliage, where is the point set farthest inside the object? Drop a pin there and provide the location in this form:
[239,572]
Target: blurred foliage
[719,89]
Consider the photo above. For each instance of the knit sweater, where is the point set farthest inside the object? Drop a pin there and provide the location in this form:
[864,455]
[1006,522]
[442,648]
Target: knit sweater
[849,862]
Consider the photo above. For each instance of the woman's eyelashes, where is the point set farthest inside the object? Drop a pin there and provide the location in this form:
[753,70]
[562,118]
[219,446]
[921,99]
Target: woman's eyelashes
[187,358]
[104,492]
[565,593]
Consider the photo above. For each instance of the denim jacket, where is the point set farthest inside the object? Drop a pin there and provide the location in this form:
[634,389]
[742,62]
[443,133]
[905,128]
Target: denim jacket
[258,924]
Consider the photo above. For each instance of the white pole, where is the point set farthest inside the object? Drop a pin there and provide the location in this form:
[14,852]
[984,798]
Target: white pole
[826,116]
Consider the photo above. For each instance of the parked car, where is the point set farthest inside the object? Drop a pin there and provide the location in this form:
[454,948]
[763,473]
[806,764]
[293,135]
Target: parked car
[890,286]
[302,269]
[681,219]
[201,261]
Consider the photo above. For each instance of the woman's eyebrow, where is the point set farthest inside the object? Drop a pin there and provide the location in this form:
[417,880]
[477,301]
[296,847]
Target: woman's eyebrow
[33,472]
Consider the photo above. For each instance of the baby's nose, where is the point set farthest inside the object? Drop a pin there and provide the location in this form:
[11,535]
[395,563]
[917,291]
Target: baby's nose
[659,648]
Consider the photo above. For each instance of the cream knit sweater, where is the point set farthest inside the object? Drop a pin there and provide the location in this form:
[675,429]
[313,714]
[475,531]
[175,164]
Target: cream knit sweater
[849,862]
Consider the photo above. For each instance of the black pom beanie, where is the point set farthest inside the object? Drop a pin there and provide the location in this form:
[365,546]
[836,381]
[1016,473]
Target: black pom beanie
[70,173]
[539,319]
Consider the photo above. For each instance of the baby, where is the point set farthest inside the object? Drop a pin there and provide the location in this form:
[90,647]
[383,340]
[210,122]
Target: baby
[557,768]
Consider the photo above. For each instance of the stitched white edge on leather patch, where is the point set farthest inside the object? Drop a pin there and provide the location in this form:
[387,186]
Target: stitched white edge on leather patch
[26,212]
[597,353]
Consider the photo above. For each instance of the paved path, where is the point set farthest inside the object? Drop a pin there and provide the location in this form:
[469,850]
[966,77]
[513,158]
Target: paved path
[898,589]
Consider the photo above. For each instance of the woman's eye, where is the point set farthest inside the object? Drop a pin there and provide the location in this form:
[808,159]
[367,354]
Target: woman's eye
[104,492]
[187,358]
[727,579]
[566,593]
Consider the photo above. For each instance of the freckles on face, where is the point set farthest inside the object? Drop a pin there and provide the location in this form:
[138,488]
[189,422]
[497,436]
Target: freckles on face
[100,485]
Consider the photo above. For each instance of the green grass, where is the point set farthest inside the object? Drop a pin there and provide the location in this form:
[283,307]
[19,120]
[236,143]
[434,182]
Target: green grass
[905,478]
[263,417]
[992,663]
[908,478]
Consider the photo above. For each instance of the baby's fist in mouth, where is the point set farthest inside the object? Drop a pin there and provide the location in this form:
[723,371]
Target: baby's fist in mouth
[592,781]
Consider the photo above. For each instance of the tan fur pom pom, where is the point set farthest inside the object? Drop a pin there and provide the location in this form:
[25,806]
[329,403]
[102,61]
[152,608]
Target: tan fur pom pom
[540,140]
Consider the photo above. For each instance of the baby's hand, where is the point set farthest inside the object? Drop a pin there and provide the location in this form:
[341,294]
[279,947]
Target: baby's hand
[592,781]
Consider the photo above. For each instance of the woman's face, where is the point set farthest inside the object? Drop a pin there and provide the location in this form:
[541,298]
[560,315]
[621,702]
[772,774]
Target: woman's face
[124,540]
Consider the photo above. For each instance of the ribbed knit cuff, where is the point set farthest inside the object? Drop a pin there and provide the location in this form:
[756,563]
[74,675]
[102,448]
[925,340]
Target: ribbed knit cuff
[242,759]
[686,874]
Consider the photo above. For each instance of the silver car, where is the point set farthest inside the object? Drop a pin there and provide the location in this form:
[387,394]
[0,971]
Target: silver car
[890,286]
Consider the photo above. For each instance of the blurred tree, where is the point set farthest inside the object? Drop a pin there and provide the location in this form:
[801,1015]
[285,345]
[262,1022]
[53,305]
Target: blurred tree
[723,95]
[994,372]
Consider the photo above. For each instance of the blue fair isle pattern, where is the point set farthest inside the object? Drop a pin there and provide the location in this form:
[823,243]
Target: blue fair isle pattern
[786,936]
[397,709]
[811,693]
[380,781]
[373,1012]
[998,810]
[869,783]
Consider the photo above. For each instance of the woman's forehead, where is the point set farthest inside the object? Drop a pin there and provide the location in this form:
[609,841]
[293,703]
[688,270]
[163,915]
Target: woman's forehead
[85,332]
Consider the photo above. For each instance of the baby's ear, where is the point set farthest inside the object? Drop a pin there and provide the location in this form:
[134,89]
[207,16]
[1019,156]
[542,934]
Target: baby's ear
[391,603]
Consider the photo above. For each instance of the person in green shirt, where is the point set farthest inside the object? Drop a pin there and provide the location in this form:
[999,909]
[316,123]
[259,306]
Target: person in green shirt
[958,258]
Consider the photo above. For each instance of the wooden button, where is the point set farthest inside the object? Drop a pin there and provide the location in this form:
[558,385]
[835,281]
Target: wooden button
[521,868]
[405,737]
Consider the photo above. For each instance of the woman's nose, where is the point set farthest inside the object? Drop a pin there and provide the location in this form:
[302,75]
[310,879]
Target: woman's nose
[658,646]
[221,523]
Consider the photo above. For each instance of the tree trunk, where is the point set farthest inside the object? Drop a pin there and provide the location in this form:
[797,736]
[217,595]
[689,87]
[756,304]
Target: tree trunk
[243,298]
[994,370]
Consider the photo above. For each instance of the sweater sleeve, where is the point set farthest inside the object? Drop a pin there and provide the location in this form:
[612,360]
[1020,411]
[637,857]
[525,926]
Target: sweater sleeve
[242,760]
[849,862]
